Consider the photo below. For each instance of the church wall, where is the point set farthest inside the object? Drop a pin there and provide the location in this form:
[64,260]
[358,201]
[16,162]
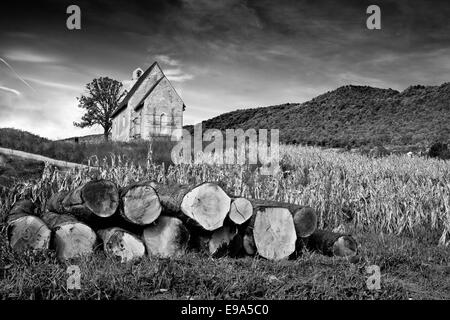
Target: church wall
[121,126]
[163,111]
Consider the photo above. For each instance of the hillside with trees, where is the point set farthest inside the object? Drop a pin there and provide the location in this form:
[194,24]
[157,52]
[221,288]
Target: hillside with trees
[353,116]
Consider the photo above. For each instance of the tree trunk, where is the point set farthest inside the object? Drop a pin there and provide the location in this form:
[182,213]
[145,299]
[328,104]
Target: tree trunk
[274,232]
[140,204]
[94,199]
[280,242]
[332,244]
[248,241]
[167,237]
[106,134]
[305,221]
[220,242]
[305,218]
[206,204]
[23,207]
[241,210]
[71,237]
[55,202]
[121,244]
[26,231]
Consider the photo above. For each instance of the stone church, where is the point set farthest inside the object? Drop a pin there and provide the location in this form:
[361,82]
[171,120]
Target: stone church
[152,109]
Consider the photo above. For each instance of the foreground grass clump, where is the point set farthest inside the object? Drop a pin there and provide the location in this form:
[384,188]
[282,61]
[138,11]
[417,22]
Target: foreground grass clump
[408,270]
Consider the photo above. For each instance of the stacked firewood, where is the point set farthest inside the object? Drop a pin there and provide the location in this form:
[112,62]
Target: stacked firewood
[167,221]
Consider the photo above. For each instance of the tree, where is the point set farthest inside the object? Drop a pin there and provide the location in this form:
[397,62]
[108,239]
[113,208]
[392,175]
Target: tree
[103,96]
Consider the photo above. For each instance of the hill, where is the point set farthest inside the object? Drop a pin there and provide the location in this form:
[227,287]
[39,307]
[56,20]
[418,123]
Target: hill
[21,140]
[69,150]
[353,116]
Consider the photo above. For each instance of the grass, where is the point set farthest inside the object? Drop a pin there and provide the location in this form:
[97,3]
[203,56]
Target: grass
[70,151]
[409,270]
[398,208]
[14,170]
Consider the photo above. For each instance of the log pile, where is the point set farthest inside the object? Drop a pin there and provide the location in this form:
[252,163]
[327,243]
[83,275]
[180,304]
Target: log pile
[167,221]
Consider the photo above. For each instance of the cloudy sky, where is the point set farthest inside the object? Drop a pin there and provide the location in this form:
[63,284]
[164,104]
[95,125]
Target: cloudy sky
[220,55]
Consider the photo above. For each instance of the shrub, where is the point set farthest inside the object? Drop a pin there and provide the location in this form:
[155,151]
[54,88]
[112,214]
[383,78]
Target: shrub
[439,150]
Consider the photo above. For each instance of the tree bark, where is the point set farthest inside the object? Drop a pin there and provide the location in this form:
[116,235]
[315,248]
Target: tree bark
[71,238]
[106,134]
[140,204]
[206,205]
[167,237]
[121,244]
[23,207]
[26,231]
[332,243]
[220,241]
[94,199]
[248,241]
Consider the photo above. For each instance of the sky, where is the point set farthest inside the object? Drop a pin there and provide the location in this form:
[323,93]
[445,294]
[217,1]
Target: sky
[220,55]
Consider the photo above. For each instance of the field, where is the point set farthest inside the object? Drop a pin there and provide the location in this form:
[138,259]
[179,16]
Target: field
[14,169]
[397,207]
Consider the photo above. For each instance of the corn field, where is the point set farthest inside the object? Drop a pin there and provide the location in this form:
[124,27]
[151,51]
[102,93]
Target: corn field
[394,194]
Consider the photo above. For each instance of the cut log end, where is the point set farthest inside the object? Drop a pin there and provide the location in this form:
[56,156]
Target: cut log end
[241,210]
[141,205]
[207,204]
[305,221]
[28,233]
[73,240]
[167,237]
[101,197]
[274,233]
[122,245]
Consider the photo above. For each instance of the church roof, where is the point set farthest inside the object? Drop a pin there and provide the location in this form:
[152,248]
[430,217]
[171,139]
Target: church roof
[133,89]
[148,93]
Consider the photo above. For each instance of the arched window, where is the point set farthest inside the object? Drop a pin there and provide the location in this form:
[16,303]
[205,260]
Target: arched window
[163,124]
[172,118]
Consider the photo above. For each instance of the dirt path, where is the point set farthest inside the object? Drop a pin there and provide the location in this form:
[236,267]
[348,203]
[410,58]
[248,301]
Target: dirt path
[31,156]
